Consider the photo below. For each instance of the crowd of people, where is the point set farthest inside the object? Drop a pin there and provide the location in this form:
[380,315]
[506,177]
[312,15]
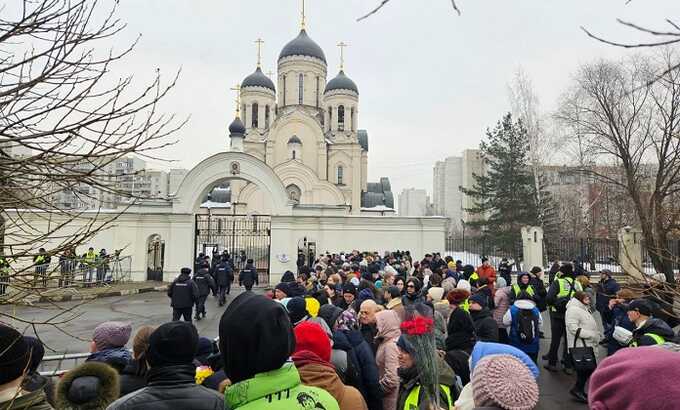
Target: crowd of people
[368,331]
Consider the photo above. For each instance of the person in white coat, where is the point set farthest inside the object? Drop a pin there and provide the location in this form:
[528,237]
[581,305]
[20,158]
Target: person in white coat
[579,315]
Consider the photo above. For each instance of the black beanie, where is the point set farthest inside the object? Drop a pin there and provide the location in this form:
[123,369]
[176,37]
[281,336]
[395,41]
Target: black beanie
[255,336]
[14,354]
[37,350]
[173,343]
[297,309]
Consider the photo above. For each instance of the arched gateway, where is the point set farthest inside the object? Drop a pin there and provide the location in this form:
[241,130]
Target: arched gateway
[242,236]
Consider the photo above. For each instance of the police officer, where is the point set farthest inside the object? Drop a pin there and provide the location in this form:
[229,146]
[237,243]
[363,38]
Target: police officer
[90,261]
[205,284]
[649,331]
[183,293]
[559,294]
[248,276]
[4,274]
[224,275]
[41,262]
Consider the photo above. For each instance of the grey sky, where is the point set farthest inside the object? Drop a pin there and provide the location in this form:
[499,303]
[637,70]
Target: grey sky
[430,82]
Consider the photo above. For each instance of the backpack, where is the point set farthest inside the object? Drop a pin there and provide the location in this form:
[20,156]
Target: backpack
[527,324]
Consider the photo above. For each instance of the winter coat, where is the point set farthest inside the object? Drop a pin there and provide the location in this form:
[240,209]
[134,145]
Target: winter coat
[654,326]
[91,385]
[344,358]
[505,272]
[224,274]
[580,316]
[410,379]
[205,282]
[370,376]
[317,373]
[616,316]
[248,277]
[171,387]
[387,356]
[486,328]
[502,304]
[35,400]
[277,390]
[606,290]
[460,331]
[541,293]
[488,273]
[511,320]
[439,331]
[132,378]
[34,381]
[117,357]
[183,292]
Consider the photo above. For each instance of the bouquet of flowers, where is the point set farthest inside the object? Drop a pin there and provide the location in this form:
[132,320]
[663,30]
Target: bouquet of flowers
[419,332]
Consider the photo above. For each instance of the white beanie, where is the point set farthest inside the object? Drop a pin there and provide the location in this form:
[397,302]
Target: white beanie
[463,284]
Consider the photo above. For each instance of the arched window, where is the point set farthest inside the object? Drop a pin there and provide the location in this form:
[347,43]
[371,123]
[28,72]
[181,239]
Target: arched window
[243,110]
[351,119]
[294,154]
[330,118]
[341,174]
[341,118]
[284,90]
[294,147]
[266,116]
[301,87]
[294,193]
[317,91]
[255,115]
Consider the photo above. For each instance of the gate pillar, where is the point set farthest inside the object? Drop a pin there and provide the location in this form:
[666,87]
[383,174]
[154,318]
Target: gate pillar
[630,252]
[532,242]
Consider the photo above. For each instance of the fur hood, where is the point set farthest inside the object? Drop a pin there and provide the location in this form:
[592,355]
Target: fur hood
[91,386]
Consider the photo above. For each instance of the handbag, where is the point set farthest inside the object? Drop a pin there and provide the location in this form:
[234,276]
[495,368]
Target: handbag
[583,357]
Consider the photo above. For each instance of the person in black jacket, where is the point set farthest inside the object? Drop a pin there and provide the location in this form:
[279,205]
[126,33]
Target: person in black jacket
[505,270]
[205,283]
[224,275]
[183,293]
[248,276]
[460,337]
[171,380]
[92,385]
[486,327]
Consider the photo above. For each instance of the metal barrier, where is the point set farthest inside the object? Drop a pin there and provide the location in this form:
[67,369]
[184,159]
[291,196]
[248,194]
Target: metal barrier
[48,368]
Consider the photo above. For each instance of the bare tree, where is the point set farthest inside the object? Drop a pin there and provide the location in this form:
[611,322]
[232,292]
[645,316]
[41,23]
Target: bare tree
[634,127]
[63,106]
[383,3]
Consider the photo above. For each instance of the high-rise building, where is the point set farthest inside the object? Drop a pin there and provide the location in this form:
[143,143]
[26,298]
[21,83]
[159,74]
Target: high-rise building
[413,202]
[473,164]
[175,177]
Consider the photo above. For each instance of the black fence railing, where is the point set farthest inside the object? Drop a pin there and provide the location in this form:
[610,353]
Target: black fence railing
[471,250]
[591,253]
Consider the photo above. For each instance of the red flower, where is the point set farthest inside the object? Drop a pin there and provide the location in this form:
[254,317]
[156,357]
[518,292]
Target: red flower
[417,326]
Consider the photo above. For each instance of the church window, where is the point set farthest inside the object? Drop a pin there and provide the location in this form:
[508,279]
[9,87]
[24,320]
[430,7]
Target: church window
[266,116]
[284,90]
[255,115]
[301,87]
[317,91]
[294,193]
[351,119]
[294,155]
[243,110]
[341,118]
[330,118]
[341,174]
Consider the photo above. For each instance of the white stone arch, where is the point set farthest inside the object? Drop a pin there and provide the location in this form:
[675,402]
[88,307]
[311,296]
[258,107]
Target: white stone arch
[293,172]
[218,168]
[308,129]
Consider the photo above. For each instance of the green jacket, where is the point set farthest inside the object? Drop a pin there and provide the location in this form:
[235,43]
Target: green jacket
[277,390]
[31,401]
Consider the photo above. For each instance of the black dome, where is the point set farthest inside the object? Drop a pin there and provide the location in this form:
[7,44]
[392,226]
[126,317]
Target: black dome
[303,45]
[258,79]
[341,82]
[237,127]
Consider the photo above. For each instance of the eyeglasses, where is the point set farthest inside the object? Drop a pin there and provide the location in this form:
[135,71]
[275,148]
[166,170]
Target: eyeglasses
[411,286]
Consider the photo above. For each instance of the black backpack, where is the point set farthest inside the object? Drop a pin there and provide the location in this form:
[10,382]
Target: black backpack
[527,326]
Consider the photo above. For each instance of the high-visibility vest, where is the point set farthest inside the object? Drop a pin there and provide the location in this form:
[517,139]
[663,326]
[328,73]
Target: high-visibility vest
[90,257]
[565,285]
[465,305]
[412,402]
[659,340]
[39,259]
[474,276]
[529,289]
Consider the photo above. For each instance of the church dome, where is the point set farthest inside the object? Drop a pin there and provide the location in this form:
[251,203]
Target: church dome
[237,127]
[258,79]
[302,45]
[341,82]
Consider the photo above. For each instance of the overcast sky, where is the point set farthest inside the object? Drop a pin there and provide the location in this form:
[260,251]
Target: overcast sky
[430,82]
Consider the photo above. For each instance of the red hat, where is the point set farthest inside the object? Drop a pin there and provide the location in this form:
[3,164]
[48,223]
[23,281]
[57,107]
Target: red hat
[457,296]
[310,336]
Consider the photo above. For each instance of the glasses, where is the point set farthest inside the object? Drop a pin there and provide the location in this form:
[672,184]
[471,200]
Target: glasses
[411,286]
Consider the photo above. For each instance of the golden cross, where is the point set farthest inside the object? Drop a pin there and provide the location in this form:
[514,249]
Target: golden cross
[259,43]
[238,99]
[342,46]
[303,15]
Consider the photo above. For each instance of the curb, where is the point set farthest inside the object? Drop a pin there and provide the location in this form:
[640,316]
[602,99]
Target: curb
[117,293]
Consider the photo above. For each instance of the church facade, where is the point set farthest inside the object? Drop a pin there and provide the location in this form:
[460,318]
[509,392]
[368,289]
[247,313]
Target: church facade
[305,127]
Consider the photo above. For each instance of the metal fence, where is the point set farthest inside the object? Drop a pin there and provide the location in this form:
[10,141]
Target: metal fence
[591,253]
[471,250]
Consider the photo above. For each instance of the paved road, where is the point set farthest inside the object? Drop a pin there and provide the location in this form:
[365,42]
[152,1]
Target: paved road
[153,308]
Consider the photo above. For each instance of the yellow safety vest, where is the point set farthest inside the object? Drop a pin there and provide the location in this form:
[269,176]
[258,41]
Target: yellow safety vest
[412,402]
[529,289]
[565,285]
[39,259]
[474,276]
[465,305]
[90,257]
[658,339]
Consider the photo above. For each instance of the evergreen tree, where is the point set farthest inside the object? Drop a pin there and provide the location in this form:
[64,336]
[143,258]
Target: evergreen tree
[505,196]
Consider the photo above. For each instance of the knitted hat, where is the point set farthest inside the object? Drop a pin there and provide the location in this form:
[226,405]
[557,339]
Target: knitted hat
[484,349]
[185,271]
[625,380]
[310,336]
[365,294]
[349,288]
[173,343]
[346,321]
[204,347]
[457,296]
[463,284]
[330,314]
[283,287]
[297,309]
[14,354]
[641,306]
[436,293]
[535,270]
[448,285]
[111,335]
[479,299]
[37,351]
[505,382]
[405,345]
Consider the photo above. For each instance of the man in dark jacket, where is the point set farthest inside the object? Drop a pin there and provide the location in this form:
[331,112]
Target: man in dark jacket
[171,379]
[224,275]
[505,270]
[248,276]
[561,290]
[536,280]
[649,331]
[486,327]
[606,291]
[205,284]
[183,294]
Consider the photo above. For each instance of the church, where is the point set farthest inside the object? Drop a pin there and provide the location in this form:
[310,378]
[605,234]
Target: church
[305,127]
